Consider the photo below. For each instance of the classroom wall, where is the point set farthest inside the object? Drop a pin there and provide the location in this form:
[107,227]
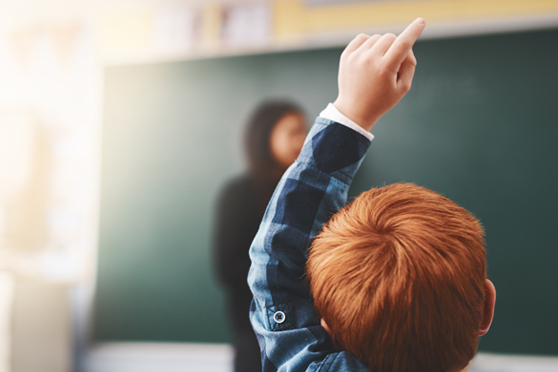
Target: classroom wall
[478,126]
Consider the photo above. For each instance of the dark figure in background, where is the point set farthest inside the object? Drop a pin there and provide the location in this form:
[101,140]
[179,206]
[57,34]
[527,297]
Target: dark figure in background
[274,137]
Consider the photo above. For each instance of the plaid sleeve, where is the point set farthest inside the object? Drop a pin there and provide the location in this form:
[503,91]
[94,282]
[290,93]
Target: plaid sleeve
[310,192]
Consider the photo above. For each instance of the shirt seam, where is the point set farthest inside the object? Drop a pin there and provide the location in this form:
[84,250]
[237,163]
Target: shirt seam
[323,363]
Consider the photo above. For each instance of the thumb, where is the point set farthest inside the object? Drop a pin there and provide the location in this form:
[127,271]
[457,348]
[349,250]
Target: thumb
[407,71]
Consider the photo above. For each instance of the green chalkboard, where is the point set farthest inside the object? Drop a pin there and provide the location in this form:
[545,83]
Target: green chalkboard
[479,126]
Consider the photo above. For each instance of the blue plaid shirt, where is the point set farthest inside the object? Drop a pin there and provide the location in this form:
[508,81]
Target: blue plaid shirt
[310,192]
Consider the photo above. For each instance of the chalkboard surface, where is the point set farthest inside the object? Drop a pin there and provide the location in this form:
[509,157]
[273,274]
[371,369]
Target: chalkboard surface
[480,126]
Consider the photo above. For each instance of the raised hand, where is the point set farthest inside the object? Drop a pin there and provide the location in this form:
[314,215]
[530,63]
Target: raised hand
[375,72]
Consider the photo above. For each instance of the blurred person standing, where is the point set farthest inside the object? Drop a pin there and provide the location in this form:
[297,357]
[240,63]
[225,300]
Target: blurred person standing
[273,139]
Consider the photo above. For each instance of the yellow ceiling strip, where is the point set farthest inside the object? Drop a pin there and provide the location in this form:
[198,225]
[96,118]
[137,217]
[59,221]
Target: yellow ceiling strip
[293,17]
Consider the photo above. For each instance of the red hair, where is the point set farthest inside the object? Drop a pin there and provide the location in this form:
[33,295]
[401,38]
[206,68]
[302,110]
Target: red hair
[398,275]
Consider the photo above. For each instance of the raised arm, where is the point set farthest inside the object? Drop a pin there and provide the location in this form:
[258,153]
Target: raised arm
[313,189]
[310,192]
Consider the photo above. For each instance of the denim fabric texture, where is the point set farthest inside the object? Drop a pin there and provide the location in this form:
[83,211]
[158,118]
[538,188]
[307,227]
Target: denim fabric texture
[310,192]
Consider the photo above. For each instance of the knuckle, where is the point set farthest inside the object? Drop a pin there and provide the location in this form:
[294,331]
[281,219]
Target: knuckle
[389,36]
[404,43]
[362,36]
[351,59]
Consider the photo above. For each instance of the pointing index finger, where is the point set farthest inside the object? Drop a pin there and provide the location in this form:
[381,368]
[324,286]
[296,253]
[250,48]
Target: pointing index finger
[398,51]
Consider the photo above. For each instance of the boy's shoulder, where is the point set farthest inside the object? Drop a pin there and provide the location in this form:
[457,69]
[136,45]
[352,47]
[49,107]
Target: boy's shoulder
[338,361]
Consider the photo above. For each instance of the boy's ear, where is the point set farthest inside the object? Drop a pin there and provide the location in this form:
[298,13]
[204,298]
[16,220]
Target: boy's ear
[326,327]
[489,303]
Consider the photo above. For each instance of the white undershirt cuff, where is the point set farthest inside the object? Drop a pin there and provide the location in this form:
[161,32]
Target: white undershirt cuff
[331,113]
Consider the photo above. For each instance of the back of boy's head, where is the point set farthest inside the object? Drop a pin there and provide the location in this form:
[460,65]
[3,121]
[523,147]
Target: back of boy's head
[398,276]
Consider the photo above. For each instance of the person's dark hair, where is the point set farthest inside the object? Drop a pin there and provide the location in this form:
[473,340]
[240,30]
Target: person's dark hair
[258,131]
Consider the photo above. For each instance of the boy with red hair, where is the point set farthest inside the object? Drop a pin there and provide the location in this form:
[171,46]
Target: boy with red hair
[397,279]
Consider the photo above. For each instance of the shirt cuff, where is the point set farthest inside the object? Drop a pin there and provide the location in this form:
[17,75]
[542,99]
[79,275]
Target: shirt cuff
[333,114]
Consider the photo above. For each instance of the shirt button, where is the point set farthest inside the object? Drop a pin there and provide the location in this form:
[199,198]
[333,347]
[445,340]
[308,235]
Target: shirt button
[279,317]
